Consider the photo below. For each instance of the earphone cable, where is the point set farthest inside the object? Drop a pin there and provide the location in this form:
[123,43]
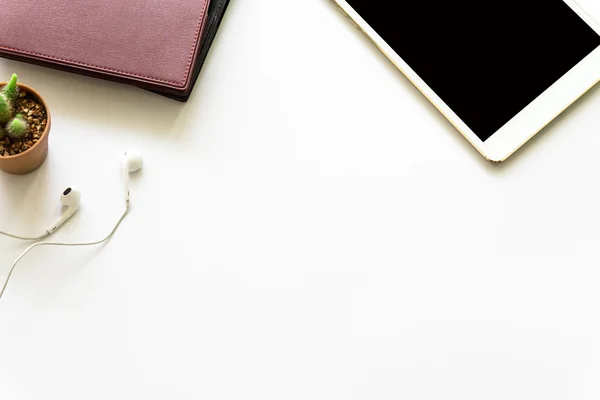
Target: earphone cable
[59,244]
[23,237]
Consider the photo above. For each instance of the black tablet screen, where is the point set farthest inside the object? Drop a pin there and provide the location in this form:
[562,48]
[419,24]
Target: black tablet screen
[487,60]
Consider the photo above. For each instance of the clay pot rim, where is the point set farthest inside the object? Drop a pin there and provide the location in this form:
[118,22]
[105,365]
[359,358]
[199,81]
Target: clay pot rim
[46,129]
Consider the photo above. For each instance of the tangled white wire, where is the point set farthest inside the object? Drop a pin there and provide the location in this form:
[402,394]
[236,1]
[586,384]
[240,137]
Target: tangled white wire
[56,244]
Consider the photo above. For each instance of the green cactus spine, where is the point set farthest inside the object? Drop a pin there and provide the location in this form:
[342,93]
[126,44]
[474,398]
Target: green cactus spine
[17,128]
[11,90]
[6,111]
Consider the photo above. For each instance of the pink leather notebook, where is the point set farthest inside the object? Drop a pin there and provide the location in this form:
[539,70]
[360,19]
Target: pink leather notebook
[149,43]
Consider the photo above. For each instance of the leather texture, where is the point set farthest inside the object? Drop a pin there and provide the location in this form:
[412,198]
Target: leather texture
[154,44]
[216,12]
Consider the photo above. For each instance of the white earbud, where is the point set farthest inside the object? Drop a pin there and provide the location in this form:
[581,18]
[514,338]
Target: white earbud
[132,162]
[70,198]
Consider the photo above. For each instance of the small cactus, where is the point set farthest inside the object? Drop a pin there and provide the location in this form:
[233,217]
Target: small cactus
[11,90]
[17,128]
[6,111]
[15,131]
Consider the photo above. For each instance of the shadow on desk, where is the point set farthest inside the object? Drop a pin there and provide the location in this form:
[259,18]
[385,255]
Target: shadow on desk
[105,103]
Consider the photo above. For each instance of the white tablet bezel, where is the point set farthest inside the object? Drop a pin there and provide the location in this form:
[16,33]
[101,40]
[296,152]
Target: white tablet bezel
[524,125]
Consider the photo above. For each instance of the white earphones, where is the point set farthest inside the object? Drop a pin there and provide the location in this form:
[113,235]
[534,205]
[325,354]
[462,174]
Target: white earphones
[71,198]
[132,162]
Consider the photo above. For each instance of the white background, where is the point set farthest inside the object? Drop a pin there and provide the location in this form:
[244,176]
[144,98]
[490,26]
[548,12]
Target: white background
[306,227]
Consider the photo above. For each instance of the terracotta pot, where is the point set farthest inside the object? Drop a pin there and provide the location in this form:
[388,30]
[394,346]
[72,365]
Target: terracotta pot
[32,158]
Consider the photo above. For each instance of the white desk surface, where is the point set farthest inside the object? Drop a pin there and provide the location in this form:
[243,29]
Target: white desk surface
[306,227]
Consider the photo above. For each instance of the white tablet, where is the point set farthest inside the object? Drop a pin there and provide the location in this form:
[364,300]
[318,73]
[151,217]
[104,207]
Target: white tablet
[499,71]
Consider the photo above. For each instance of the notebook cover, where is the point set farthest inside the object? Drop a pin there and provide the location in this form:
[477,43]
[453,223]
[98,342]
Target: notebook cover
[153,44]
[216,11]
